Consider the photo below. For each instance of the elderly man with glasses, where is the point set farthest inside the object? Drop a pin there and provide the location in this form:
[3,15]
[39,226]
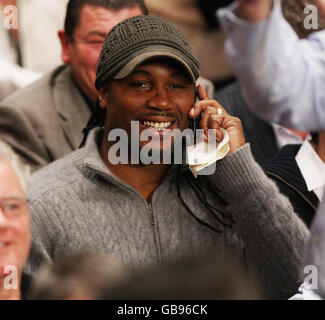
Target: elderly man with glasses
[15,236]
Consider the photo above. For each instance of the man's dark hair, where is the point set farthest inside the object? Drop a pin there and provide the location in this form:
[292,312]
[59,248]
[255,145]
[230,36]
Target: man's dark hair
[314,138]
[205,277]
[77,274]
[75,6]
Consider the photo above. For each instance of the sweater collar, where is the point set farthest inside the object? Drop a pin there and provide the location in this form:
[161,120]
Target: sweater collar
[92,158]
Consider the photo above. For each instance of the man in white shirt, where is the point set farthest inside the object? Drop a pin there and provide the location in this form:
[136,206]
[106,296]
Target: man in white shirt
[266,138]
[284,82]
[282,75]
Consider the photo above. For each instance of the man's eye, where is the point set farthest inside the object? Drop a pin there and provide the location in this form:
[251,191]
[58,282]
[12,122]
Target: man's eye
[141,85]
[12,206]
[177,86]
[95,44]
[95,40]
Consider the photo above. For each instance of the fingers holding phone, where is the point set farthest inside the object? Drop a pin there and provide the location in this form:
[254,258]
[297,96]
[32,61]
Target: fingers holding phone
[203,102]
[214,116]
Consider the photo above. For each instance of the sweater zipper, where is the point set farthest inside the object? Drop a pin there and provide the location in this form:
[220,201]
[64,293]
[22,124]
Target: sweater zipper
[151,214]
[291,186]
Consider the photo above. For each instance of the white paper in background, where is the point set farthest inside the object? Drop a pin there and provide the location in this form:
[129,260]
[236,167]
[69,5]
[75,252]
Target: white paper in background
[203,154]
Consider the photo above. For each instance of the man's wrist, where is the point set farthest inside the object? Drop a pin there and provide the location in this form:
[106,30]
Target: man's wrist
[254,10]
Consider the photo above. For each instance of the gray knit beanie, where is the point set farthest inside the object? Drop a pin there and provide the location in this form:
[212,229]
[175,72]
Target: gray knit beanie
[140,38]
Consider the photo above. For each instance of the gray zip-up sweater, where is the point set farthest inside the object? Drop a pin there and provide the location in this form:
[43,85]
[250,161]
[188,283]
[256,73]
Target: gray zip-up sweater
[76,204]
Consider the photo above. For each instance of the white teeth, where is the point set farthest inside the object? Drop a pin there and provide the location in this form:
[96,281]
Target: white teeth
[157,125]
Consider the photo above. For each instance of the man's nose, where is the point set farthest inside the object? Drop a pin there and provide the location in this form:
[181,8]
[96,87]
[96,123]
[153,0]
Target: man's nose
[160,100]
[3,219]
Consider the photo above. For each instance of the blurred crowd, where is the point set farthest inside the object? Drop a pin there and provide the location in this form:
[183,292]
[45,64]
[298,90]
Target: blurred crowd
[75,224]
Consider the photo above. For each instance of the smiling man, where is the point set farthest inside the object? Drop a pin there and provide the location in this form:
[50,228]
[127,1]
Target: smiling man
[43,122]
[148,214]
[15,234]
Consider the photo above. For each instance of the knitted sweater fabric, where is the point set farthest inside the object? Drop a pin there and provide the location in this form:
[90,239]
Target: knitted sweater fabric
[76,204]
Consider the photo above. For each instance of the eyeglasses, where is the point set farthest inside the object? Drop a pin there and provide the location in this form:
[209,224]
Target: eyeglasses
[13,207]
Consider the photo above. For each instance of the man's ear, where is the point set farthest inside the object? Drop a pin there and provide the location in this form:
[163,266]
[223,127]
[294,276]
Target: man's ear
[66,46]
[103,97]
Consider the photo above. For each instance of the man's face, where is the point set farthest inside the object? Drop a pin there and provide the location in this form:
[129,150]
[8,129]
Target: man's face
[158,94]
[15,234]
[83,51]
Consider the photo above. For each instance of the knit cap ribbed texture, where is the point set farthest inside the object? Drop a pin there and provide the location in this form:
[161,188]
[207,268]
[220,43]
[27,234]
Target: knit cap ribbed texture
[137,35]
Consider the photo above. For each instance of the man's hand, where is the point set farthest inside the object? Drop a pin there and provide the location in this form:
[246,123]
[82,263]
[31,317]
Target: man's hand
[211,119]
[259,10]
[255,10]
[321,6]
